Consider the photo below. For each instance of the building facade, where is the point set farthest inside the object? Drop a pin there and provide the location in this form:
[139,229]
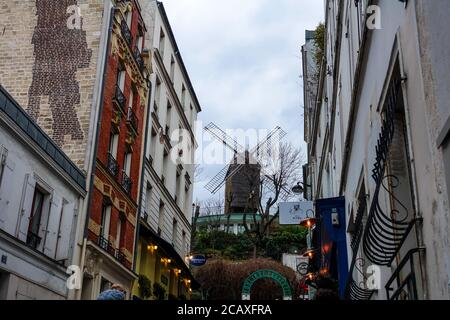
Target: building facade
[377,135]
[163,248]
[41,198]
[80,69]
[114,197]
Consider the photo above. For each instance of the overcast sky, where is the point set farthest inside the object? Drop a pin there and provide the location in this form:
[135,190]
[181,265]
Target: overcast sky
[244,60]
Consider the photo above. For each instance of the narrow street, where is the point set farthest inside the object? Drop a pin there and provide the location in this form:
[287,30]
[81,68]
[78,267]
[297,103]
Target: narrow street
[230,158]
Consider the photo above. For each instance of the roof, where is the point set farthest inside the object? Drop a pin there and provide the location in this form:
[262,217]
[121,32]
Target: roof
[29,127]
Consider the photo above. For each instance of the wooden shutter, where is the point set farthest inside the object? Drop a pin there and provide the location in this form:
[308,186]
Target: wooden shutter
[65,232]
[25,207]
[51,229]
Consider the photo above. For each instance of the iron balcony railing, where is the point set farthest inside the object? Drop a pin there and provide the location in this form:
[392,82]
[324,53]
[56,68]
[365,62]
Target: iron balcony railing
[138,57]
[132,119]
[120,98]
[113,166]
[126,32]
[126,182]
[108,247]
[403,283]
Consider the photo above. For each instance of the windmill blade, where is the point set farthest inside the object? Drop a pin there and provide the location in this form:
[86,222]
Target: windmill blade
[219,180]
[267,142]
[224,138]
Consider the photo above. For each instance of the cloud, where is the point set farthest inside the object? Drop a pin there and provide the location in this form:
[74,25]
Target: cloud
[244,60]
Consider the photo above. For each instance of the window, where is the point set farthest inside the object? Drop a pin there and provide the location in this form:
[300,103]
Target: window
[191,116]
[118,233]
[129,17]
[105,222]
[148,198]
[174,232]
[184,245]
[168,118]
[121,76]
[113,144]
[183,96]
[127,163]
[161,217]
[162,39]
[157,94]
[165,166]
[153,142]
[140,39]
[131,100]
[33,238]
[177,188]
[172,69]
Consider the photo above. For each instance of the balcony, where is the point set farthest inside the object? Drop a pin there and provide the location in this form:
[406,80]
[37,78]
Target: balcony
[126,183]
[132,120]
[126,32]
[112,166]
[119,98]
[108,247]
[138,57]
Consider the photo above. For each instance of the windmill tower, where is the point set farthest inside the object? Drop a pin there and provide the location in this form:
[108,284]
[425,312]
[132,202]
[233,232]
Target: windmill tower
[242,176]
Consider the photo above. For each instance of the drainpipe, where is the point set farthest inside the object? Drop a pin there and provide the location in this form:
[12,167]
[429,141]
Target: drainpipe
[94,157]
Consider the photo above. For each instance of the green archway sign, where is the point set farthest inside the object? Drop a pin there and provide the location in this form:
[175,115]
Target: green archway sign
[264,274]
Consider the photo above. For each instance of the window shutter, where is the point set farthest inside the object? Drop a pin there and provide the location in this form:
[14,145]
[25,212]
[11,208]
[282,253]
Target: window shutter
[9,199]
[65,232]
[25,207]
[52,227]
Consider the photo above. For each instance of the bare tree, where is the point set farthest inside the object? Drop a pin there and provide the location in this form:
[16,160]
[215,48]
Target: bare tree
[274,183]
[198,171]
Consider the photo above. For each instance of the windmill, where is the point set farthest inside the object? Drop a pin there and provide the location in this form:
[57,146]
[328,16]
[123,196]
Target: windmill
[243,175]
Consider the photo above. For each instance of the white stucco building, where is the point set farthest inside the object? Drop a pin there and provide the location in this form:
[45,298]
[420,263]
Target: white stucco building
[167,191]
[41,192]
[378,135]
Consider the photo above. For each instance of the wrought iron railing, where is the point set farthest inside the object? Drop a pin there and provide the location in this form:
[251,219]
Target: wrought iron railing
[132,119]
[126,182]
[386,229]
[403,286]
[358,289]
[126,32]
[112,165]
[106,245]
[120,98]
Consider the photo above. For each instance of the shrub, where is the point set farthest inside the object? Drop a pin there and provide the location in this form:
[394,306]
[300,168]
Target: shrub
[145,286]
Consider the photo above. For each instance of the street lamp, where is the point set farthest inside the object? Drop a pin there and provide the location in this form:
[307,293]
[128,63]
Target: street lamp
[298,188]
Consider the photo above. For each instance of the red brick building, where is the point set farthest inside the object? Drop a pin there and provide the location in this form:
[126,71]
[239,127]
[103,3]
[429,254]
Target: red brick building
[113,206]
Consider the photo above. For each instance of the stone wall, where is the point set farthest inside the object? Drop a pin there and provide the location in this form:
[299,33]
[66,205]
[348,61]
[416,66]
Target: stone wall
[48,62]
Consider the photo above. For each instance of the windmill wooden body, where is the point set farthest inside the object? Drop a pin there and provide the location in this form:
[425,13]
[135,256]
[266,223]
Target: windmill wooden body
[242,176]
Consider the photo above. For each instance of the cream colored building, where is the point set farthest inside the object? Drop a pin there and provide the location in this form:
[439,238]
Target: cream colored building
[166,206]
[378,135]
